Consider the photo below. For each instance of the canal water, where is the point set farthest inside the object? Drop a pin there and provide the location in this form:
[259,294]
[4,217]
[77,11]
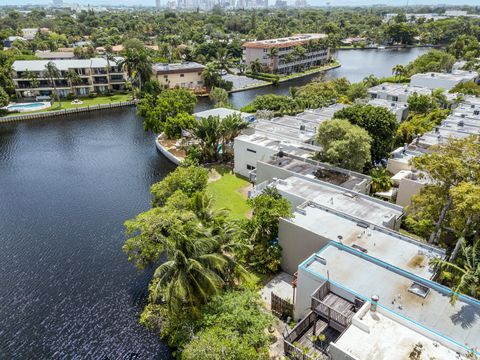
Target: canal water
[66,187]
[356,64]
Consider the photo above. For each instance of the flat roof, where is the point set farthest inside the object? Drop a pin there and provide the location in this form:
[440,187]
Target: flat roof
[270,127]
[177,67]
[457,75]
[398,89]
[388,245]
[64,64]
[440,135]
[458,323]
[293,148]
[390,105]
[349,202]
[222,113]
[389,339]
[404,155]
[316,170]
[54,54]
[293,40]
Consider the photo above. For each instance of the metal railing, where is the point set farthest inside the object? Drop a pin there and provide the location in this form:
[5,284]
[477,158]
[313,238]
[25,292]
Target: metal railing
[297,332]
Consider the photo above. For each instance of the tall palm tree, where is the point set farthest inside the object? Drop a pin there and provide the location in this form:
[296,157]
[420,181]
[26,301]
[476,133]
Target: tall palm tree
[138,65]
[223,59]
[210,75]
[52,73]
[273,56]
[109,57]
[398,71]
[73,79]
[464,273]
[230,128]
[438,96]
[32,77]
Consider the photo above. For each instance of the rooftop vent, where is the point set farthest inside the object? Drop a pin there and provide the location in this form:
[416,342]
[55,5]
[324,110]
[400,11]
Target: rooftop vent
[419,290]
[322,260]
[462,115]
[461,123]
[432,75]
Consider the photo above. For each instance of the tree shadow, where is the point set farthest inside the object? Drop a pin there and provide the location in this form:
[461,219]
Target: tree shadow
[466,316]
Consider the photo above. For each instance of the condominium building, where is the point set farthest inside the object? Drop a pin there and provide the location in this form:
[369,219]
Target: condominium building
[287,55]
[181,75]
[377,301]
[31,79]
[445,81]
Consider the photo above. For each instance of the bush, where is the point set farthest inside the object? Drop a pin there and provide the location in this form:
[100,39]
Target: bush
[175,124]
[92,95]
[71,96]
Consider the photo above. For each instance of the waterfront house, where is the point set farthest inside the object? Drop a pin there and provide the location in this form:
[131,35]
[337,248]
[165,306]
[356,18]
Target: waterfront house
[287,55]
[95,77]
[179,75]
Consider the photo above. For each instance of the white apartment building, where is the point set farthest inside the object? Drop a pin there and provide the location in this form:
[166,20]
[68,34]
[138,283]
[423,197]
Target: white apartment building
[95,76]
[377,301]
[179,75]
[397,108]
[446,81]
[396,92]
[285,59]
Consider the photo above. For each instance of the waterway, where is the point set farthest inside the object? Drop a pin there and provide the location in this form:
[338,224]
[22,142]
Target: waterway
[356,64]
[66,187]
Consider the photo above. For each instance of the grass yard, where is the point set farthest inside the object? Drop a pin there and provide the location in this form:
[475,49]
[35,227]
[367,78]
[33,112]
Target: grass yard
[229,191]
[67,104]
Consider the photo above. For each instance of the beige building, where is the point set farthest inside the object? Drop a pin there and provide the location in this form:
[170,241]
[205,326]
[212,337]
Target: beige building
[181,75]
[287,55]
[95,76]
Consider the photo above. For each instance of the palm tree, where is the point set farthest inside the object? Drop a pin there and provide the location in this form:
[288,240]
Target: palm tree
[210,75]
[231,127]
[138,65]
[73,79]
[273,56]
[52,73]
[438,96]
[463,273]
[110,57]
[207,132]
[191,275]
[398,71]
[32,77]
[370,80]
[256,66]
[223,59]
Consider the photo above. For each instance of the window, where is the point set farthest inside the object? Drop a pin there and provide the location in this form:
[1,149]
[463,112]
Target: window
[182,75]
[250,167]
[252,151]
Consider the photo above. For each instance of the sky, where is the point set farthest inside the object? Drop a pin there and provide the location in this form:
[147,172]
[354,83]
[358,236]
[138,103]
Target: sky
[311,2]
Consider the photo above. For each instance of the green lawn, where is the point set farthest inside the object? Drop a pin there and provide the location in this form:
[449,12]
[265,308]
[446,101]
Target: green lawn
[226,192]
[67,104]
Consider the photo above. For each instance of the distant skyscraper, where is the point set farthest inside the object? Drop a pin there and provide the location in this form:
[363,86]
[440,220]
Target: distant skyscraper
[158,4]
[58,3]
[301,3]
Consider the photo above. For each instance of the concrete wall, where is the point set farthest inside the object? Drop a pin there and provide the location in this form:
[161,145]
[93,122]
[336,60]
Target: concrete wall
[338,354]
[189,80]
[247,154]
[395,166]
[307,284]
[406,189]
[297,244]
[268,172]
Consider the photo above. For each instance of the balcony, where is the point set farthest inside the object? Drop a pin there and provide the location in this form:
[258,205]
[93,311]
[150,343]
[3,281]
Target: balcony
[330,315]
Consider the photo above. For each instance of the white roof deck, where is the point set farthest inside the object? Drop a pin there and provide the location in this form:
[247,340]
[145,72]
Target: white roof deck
[62,65]
[388,245]
[289,147]
[459,323]
[389,339]
[362,206]
[222,113]
[399,89]
[269,127]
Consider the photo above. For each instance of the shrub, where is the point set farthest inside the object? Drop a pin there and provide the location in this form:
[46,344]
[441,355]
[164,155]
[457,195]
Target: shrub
[92,95]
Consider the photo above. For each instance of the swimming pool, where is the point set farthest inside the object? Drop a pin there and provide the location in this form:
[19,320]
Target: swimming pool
[22,107]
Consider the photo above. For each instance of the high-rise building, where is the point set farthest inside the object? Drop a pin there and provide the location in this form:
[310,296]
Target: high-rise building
[58,3]
[158,4]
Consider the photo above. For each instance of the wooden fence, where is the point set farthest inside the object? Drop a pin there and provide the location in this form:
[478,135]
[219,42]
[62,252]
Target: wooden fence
[281,307]
[47,114]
